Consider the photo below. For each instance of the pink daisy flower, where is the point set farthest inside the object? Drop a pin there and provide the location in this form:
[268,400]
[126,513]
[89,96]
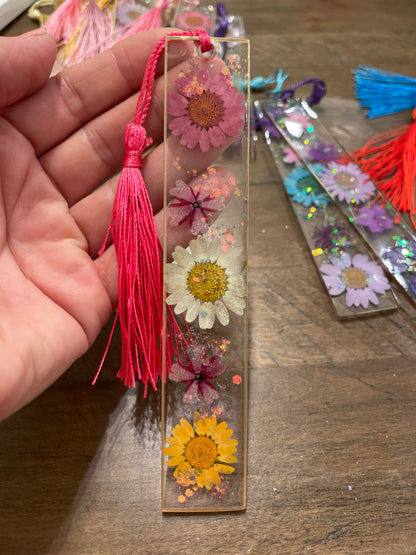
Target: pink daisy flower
[197,374]
[206,109]
[191,20]
[362,279]
[196,204]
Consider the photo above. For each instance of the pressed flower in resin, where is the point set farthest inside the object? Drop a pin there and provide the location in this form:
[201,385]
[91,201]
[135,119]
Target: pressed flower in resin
[375,218]
[201,453]
[362,279]
[205,282]
[190,20]
[302,186]
[198,371]
[206,109]
[346,182]
[195,203]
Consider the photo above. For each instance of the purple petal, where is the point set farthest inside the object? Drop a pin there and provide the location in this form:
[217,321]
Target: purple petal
[329,269]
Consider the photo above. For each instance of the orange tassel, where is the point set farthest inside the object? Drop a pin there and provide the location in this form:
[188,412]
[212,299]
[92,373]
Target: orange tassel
[389,159]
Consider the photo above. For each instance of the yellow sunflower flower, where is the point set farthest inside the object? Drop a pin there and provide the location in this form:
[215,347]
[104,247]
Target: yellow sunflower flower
[202,452]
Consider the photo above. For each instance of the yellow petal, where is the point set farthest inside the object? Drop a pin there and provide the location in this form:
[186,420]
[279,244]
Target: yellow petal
[228,447]
[213,475]
[224,469]
[227,458]
[175,461]
[206,426]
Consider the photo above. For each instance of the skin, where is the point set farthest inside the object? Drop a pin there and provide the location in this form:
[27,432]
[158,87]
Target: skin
[60,139]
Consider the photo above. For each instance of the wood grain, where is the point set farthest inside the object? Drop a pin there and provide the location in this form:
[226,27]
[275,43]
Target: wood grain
[332,404]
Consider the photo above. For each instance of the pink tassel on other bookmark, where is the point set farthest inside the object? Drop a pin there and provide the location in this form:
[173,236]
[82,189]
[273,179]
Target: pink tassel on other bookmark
[140,270]
[64,20]
[152,19]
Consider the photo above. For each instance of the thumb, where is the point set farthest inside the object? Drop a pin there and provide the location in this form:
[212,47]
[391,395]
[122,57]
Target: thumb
[25,64]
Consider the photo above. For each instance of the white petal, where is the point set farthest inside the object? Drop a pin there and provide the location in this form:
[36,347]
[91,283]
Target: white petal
[235,304]
[206,316]
[193,311]
[197,247]
[184,304]
[183,257]
[222,313]
[175,297]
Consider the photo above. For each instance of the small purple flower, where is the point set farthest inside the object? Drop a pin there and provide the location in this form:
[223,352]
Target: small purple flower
[323,152]
[328,236]
[200,369]
[375,218]
[360,277]
[196,204]
[347,182]
[403,256]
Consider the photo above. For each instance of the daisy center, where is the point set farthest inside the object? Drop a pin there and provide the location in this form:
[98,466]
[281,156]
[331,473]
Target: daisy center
[207,282]
[206,109]
[346,180]
[194,21]
[355,278]
[309,186]
[201,452]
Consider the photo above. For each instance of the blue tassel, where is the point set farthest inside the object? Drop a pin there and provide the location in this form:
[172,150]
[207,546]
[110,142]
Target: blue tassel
[384,92]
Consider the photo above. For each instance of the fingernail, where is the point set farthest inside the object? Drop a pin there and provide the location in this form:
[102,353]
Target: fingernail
[35,32]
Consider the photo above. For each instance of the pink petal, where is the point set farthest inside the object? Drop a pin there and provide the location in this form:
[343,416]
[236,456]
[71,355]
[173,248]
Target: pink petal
[199,224]
[235,112]
[231,127]
[204,140]
[182,191]
[215,368]
[208,393]
[216,137]
[180,125]
[178,214]
[177,105]
[180,374]
[192,136]
[191,392]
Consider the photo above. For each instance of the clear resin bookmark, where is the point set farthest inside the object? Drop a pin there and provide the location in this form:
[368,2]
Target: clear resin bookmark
[204,411]
[356,283]
[379,224]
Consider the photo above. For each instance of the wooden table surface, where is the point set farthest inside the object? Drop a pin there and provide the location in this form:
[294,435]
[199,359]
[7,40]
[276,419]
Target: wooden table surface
[331,451]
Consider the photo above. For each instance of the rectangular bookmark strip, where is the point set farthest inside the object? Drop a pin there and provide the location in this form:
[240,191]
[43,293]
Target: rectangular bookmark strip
[379,224]
[332,240]
[204,407]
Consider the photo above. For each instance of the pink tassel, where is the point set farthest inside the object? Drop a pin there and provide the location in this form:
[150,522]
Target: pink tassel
[152,19]
[140,278]
[64,20]
[91,36]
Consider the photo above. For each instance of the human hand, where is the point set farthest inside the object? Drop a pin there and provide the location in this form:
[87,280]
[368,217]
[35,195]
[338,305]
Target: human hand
[61,139]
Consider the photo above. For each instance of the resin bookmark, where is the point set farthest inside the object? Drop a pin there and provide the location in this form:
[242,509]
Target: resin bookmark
[204,412]
[379,224]
[356,283]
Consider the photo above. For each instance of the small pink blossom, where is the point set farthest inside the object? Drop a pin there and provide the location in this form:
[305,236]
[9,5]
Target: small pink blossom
[194,203]
[199,370]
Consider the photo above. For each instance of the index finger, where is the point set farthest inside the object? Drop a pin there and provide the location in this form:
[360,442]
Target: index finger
[82,92]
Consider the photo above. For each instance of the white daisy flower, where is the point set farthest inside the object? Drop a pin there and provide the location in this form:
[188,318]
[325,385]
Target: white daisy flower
[206,282]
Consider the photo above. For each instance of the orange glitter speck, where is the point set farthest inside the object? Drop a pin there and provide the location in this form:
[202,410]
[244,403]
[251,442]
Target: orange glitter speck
[189,492]
[181,499]
[237,379]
